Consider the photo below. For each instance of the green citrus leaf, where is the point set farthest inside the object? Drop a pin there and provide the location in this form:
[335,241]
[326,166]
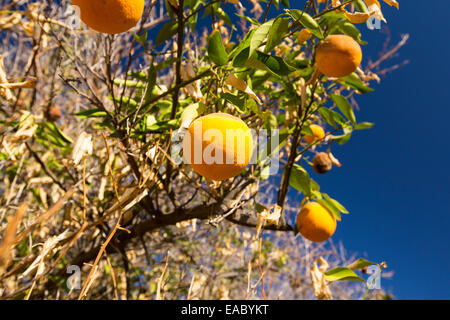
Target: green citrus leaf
[364,125]
[330,206]
[91,113]
[354,82]
[277,32]
[344,106]
[299,180]
[259,36]
[167,31]
[216,49]
[342,274]
[307,21]
[360,264]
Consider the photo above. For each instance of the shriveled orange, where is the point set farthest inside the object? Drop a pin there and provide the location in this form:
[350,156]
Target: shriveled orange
[315,222]
[317,133]
[218,146]
[110,16]
[338,55]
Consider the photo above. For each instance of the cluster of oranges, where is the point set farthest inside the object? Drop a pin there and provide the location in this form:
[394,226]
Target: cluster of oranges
[219,146]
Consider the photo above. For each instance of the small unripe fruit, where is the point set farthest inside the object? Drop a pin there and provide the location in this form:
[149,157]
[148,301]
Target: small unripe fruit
[53,114]
[338,56]
[318,133]
[322,163]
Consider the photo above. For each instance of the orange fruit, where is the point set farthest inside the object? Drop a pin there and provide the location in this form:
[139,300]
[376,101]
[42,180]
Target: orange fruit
[110,16]
[218,146]
[315,222]
[318,133]
[338,55]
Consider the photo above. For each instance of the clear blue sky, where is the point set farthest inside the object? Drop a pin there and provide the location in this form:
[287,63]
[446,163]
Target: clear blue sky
[394,178]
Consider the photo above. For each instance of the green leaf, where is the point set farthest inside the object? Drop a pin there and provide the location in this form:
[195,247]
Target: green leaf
[349,29]
[345,107]
[330,206]
[167,31]
[151,78]
[141,38]
[49,131]
[360,264]
[342,274]
[360,6]
[270,63]
[161,126]
[216,49]
[192,111]
[129,83]
[343,138]
[91,113]
[277,4]
[335,203]
[239,102]
[364,125]
[259,36]
[265,172]
[260,208]
[326,114]
[166,63]
[58,131]
[331,117]
[223,16]
[169,9]
[125,101]
[299,180]
[277,31]
[285,3]
[138,75]
[249,19]
[276,139]
[307,21]
[354,82]
[242,46]
[330,19]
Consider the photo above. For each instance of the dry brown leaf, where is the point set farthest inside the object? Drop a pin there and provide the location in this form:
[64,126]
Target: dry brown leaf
[4,92]
[9,237]
[374,8]
[193,89]
[270,216]
[45,217]
[83,147]
[320,286]
[27,84]
[334,160]
[358,17]
[241,85]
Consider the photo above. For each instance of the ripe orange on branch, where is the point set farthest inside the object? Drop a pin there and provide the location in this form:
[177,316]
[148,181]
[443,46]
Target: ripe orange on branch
[218,146]
[338,55]
[110,16]
[315,222]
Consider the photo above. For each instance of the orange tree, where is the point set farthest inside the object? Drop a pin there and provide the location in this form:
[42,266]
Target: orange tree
[92,157]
